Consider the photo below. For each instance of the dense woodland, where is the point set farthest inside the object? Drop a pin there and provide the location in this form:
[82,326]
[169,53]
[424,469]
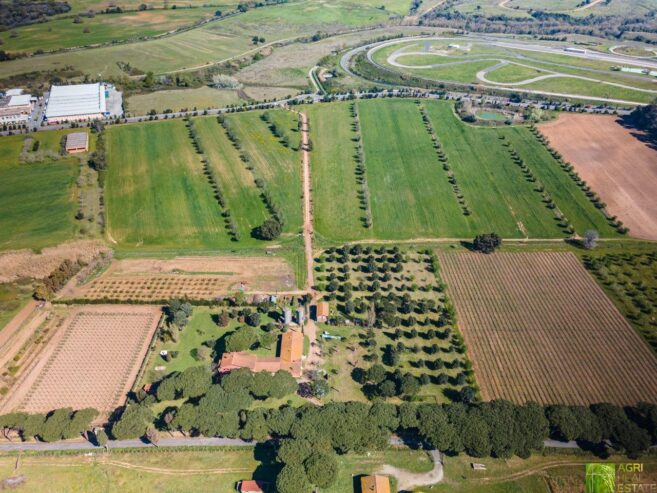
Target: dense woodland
[309,437]
[21,12]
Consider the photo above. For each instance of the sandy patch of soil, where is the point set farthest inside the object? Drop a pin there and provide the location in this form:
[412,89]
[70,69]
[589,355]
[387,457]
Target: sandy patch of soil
[26,263]
[615,162]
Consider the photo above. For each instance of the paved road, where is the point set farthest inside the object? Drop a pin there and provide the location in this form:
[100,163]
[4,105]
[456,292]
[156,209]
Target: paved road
[113,444]
[181,442]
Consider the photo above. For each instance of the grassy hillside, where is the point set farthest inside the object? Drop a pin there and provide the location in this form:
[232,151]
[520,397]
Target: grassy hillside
[208,44]
[37,200]
[65,33]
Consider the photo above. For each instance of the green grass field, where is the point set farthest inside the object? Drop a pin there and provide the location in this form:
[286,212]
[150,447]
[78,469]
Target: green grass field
[278,166]
[335,190]
[159,199]
[37,200]
[13,296]
[211,43]
[186,471]
[241,194]
[64,33]
[411,196]
[156,193]
[176,100]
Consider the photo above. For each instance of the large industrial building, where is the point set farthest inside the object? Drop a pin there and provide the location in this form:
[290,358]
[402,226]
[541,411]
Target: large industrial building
[15,107]
[82,102]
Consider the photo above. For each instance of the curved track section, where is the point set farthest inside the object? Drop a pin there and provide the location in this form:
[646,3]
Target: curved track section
[395,61]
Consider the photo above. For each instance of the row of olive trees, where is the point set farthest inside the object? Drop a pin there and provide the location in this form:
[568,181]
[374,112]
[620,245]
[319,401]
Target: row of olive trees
[361,169]
[444,160]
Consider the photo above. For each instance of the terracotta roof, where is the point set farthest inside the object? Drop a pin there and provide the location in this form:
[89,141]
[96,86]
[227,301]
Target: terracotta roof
[233,361]
[251,486]
[375,484]
[322,309]
[291,346]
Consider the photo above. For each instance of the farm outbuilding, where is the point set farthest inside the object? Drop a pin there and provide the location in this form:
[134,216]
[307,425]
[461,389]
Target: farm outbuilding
[250,486]
[77,142]
[322,311]
[375,484]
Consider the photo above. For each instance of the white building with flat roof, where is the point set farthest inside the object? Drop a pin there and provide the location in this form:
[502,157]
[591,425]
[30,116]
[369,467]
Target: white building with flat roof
[16,109]
[78,102]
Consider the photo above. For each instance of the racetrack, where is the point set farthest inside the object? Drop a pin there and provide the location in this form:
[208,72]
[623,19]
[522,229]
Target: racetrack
[604,85]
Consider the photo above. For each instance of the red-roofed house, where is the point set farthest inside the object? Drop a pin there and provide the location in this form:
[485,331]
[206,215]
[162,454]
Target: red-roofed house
[250,486]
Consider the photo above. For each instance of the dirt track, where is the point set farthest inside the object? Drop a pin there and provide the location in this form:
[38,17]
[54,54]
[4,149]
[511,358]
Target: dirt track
[619,167]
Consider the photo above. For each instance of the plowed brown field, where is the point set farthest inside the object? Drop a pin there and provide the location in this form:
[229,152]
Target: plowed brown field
[92,361]
[615,163]
[538,328]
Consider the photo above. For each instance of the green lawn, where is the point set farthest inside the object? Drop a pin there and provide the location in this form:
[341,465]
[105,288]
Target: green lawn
[157,196]
[335,189]
[514,73]
[277,165]
[37,200]
[409,192]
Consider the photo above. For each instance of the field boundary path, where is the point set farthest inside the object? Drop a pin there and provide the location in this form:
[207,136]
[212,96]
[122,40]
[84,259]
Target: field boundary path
[310,328]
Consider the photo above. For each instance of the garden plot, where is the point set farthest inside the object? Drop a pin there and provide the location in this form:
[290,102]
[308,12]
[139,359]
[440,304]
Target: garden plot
[396,324]
[538,328]
[91,362]
[198,278]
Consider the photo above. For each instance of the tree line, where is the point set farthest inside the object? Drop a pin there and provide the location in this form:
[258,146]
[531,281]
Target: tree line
[645,118]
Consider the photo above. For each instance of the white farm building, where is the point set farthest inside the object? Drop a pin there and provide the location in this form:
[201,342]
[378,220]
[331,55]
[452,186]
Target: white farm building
[81,102]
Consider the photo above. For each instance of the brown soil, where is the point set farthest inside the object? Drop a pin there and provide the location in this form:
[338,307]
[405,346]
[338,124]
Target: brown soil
[539,328]
[26,263]
[619,167]
[92,360]
[192,277]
